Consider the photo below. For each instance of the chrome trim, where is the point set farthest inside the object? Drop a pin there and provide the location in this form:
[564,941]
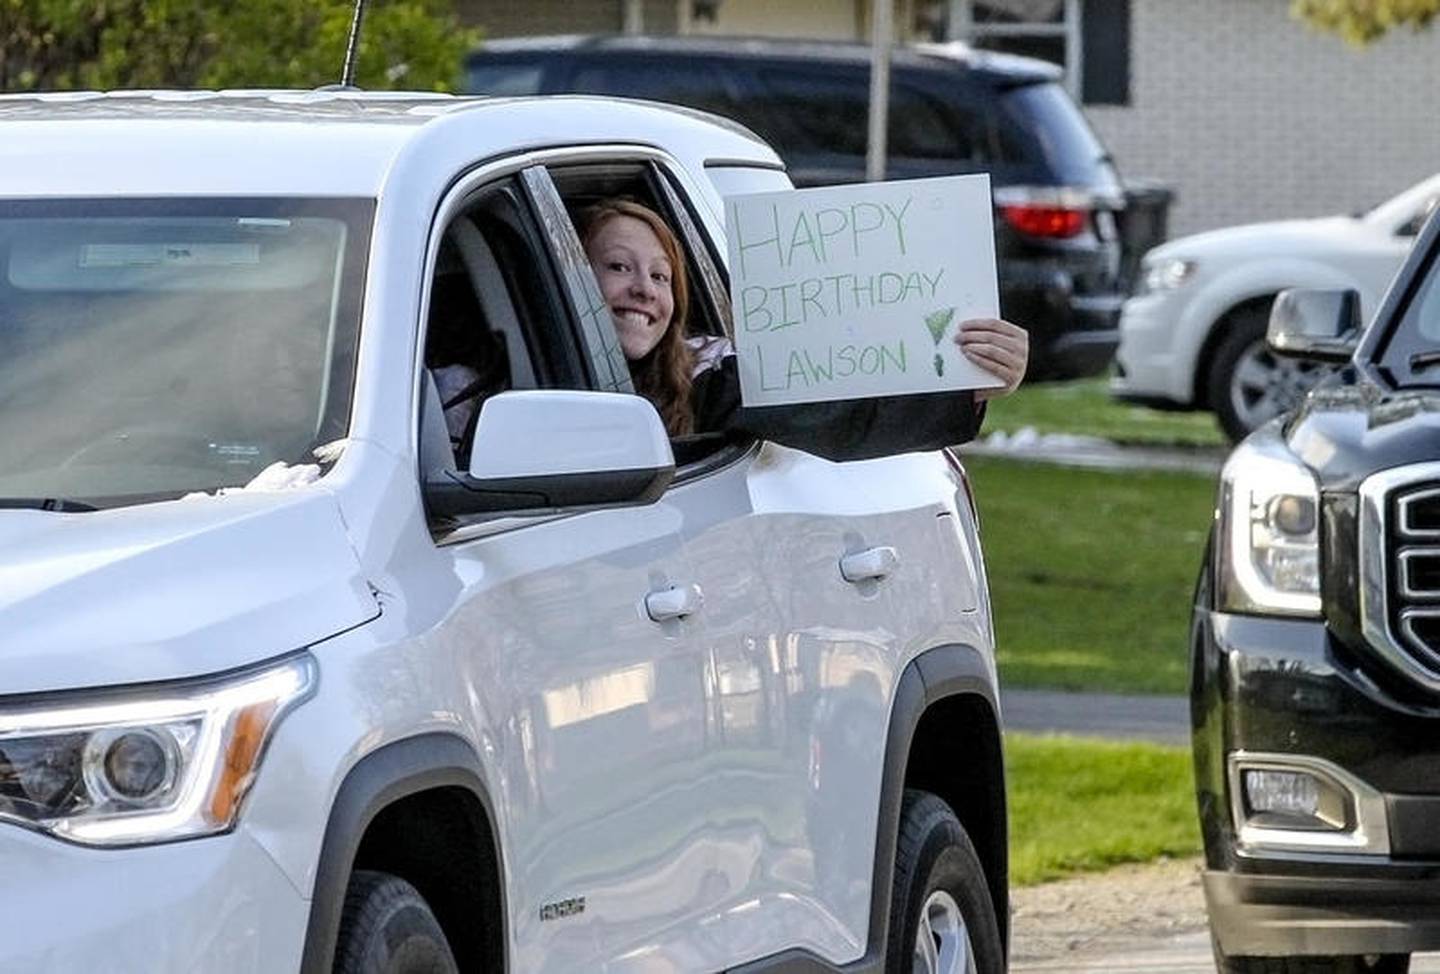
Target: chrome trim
[1404,505]
[1374,570]
[1369,836]
[1417,642]
[1405,556]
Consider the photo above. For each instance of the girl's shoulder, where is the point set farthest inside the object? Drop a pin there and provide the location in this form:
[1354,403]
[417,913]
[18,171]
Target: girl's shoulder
[709,352]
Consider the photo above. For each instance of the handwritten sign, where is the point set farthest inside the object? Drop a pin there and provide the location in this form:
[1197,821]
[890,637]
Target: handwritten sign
[846,292]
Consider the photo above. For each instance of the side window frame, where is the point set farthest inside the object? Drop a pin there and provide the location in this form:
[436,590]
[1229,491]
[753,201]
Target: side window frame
[678,198]
[608,369]
[544,317]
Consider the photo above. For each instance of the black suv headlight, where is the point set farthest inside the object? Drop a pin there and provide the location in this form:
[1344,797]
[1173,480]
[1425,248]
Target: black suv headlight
[142,766]
[1268,555]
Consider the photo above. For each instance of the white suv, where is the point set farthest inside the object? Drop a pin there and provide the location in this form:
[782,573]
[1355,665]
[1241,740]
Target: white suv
[285,688]
[1193,337]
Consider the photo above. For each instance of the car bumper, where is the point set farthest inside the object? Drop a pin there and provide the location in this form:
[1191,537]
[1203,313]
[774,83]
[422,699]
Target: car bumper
[1288,689]
[1290,915]
[1148,366]
[207,905]
[1071,335]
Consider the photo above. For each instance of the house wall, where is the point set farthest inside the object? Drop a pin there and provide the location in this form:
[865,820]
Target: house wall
[508,18]
[831,19]
[1251,115]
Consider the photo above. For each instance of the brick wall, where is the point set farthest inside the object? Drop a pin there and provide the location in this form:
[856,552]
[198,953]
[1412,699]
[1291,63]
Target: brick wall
[1251,115]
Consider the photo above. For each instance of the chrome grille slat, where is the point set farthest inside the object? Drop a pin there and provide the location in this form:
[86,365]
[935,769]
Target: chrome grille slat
[1417,642]
[1405,557]
[1406,517]
[1400,613]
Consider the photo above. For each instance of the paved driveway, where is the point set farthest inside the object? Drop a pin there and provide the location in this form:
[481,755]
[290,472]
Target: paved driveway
[1186,954]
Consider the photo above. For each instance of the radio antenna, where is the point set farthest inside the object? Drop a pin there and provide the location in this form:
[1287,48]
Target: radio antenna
[352,47]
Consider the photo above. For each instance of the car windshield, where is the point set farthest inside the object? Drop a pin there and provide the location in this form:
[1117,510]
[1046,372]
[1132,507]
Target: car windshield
[153,348]
[1410,353]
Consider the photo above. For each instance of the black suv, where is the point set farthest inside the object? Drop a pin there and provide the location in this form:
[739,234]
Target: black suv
[1060,203]
[1315,647]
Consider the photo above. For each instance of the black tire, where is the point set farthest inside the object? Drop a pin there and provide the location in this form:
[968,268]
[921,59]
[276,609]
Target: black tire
[1245,339]
[387,928]
[1320,964]
[934,855]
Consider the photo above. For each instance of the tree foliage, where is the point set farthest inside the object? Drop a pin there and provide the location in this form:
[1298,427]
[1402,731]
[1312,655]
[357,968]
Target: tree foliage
[104,44]
[1362,21]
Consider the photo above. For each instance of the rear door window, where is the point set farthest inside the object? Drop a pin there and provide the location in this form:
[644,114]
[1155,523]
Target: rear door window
[923,126]
[685,83]
[815,112]
[828,112]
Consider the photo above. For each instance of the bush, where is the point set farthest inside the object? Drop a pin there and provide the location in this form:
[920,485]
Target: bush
[81,44]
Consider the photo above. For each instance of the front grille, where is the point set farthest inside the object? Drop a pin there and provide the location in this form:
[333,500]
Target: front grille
[1400,569]
[1414,543]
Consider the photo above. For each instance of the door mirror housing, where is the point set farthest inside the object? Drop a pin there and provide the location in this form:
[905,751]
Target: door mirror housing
[1320,324]
[540,451]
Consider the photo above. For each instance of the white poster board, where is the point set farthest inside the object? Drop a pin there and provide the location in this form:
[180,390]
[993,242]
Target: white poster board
[846,292]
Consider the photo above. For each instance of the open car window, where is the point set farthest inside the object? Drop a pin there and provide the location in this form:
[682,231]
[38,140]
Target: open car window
[577,186]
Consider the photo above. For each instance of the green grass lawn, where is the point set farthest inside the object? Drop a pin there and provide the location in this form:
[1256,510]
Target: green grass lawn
[1085,407]
[1079,805]
[1091,572]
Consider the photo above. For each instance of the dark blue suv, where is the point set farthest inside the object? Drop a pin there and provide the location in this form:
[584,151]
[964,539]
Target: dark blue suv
[1061,234]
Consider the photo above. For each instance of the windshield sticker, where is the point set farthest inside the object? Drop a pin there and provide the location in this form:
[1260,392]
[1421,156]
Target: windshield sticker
[170,255]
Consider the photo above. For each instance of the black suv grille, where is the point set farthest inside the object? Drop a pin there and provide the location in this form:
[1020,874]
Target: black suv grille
[1413,563]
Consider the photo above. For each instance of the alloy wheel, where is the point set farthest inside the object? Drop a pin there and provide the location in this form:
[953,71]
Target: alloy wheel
[942,942]
[1264,385]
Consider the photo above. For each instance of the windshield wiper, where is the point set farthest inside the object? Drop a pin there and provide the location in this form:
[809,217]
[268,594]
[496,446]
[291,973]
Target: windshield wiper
[1424,360]
[45,504]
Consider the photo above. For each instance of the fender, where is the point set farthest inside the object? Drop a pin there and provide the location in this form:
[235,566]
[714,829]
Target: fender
[1236,285]
[937,673]
[380,779]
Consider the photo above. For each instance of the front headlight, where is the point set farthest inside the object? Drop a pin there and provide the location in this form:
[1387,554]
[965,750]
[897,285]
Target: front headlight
[1268,531]
[125,768]
[1165,274]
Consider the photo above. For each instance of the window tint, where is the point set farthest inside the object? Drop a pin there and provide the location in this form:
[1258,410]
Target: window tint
[489,78]
[827,113]
[1047,118]
[922,126]
[816,113]
[675,82]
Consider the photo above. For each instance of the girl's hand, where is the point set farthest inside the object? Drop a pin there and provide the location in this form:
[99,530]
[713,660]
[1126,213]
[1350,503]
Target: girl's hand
[999,348]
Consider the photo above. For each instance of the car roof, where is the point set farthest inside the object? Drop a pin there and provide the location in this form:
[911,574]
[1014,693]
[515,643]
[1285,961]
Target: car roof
[312,143]
[1007,68]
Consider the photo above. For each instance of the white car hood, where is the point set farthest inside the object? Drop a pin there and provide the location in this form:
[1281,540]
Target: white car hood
[160,591]
[1292,238]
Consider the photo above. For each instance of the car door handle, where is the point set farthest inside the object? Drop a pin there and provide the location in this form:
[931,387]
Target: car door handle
[675,602]
[872,563]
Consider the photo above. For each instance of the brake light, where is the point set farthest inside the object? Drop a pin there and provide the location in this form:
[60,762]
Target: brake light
[1045,221]
[1055,212]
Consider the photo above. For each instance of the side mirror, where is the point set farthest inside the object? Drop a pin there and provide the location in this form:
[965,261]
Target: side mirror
[1322,325]
[542,450]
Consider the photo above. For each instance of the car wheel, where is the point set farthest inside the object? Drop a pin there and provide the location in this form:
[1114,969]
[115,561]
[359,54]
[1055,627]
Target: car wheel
[387,928]
[1317,964]
[1250,384]
[942,920]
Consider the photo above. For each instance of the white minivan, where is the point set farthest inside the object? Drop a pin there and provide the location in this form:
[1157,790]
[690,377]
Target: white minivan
[284,686]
